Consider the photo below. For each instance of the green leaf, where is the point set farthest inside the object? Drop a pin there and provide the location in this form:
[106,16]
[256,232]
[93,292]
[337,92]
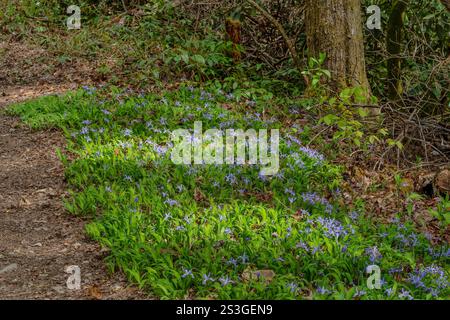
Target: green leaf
[330,119]
[346,94]
[363,112]
[327,73]
[199,59]
[315,81]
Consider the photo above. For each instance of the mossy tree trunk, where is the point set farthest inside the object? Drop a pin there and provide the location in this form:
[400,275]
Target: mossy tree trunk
[394,47]
[335,27]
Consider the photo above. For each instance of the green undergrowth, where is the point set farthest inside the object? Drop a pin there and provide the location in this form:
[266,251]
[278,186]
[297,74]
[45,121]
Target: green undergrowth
[225,231]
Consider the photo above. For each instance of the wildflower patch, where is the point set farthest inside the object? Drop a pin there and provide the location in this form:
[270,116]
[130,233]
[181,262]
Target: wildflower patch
[226,231]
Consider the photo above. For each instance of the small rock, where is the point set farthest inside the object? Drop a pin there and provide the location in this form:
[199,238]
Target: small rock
[58,289]
[266,275]
[442,182]
[9,268]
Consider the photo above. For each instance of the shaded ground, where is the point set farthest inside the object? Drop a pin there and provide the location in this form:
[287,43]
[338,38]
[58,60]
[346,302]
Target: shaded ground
[24,64]
[38,239]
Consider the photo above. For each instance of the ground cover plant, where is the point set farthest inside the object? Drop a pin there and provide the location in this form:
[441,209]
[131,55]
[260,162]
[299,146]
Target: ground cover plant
[226,232]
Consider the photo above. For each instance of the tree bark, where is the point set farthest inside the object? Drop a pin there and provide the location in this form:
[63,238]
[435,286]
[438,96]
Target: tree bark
[394,41]
[335,27]
[233,29]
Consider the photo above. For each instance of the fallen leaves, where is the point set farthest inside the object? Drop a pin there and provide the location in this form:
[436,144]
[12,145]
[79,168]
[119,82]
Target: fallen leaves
[265,275]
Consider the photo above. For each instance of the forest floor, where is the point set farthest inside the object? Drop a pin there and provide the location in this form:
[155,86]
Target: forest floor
[38,238]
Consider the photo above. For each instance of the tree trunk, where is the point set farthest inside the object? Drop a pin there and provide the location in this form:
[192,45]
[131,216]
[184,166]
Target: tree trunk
[233,29]
[394,48]
[335,28]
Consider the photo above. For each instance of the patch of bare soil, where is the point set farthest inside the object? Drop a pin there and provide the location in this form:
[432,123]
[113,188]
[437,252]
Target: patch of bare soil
[38,238]
[24,64]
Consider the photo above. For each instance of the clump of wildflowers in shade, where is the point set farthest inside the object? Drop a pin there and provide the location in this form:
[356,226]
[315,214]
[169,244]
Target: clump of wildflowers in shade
[225,231]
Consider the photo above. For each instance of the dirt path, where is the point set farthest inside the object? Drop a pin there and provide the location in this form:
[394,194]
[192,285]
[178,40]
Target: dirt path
[38,238]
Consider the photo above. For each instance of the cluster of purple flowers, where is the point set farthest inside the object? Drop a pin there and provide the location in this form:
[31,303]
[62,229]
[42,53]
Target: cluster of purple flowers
[171,202]
[405,294]
[389,291]
[84,131]
[395,270]
[431,279]
[439,253]
[125,145]
[232,261]
[313,198]
[231,178]
[373,253]
[332,228]
[302,245]
[410,240]
[224,280]
[293,139]
[322,290]
[187,273]
[354,215]
[180,228]
[89,90]
[313,154]
[160,150]
[359,293]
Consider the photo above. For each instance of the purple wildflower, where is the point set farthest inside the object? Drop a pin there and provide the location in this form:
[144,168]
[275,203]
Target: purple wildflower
[332,228]
[206,278]
[127,132]
[405,294]
[313,154]
[233,262]
[167,216]
[225,281]
[373,253]
[322,290]
[302,245]
[84,130]
[244,258]
[171,202]
[359,293]
[389,292]
[354,215]
[292,287]
[187,273]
